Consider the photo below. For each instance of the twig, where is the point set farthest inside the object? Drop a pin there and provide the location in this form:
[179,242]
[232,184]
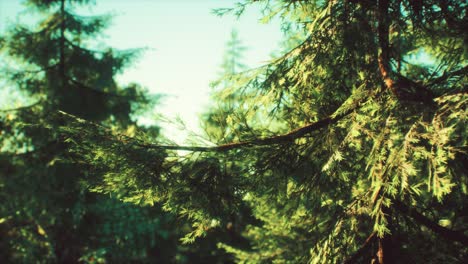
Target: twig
[21,107]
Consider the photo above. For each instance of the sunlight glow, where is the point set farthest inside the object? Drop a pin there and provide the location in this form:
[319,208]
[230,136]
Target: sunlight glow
[185,44]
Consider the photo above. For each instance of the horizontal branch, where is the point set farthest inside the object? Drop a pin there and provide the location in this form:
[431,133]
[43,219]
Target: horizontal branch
[21,107]
[75,46]
[285,138]
[436,228]
[96,90]
[44,69]
[274,140]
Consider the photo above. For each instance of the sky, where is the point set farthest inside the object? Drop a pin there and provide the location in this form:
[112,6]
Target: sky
[185,44]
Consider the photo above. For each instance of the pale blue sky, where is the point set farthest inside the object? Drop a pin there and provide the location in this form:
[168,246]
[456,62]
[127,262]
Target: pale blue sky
[186,43]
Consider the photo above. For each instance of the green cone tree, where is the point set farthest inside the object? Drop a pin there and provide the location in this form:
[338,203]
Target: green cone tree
[47,214]
[365,162]
[216,126]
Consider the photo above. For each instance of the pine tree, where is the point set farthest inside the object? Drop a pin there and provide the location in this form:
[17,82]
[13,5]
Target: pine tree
[366,162]
[360,171]
[232,60]
[47,214]
[216,126]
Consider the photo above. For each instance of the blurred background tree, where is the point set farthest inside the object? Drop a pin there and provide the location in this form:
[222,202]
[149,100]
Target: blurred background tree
[215,124]
[48,214]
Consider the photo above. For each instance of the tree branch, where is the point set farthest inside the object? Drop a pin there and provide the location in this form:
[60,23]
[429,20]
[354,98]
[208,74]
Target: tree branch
[45,69]
[285,138]
[436,228]
[448,75]
[361,251]
[383,36]
[280,139]
[21,107]
[402,87]
[96,90]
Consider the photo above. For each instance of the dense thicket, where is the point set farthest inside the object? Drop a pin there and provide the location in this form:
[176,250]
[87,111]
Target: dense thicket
[349,147]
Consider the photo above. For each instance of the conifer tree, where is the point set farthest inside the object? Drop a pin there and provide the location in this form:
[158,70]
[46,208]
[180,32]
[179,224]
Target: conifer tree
[216,126]
[366,162]
[232,60]
[47,215]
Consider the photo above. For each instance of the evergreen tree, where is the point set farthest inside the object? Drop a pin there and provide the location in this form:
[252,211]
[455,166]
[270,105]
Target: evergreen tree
[232,60]
[217,127]
[47,215]
[366,162]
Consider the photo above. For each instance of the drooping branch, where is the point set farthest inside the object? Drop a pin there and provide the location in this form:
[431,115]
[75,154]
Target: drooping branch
[436,228]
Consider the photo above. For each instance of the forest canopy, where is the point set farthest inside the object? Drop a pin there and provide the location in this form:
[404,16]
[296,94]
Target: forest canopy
[349,146]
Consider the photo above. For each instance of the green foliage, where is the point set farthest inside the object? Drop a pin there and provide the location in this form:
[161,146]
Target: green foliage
[392,136]
[231,61]
[349,147]
[218,123]
[49,215]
